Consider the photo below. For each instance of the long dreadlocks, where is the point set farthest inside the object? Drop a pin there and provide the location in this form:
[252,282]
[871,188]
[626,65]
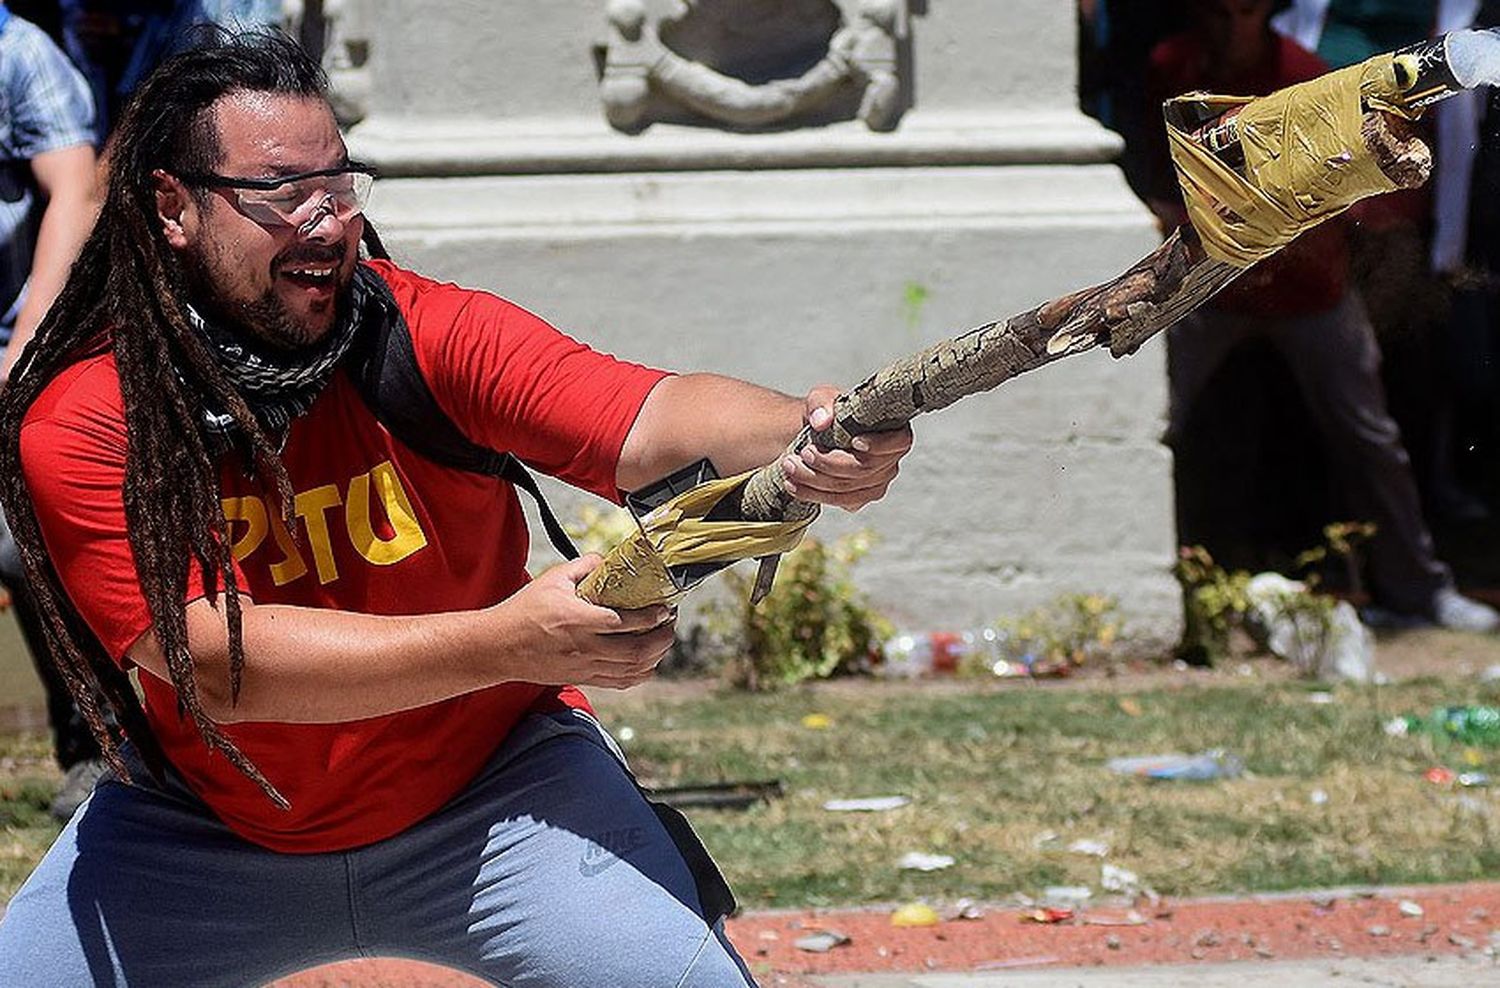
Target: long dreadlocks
[126,295]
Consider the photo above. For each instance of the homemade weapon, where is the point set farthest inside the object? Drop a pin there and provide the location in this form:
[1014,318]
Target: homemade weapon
[1254,172]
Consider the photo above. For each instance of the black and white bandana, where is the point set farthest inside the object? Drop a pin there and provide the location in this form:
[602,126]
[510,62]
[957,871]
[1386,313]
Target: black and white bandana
[278,385]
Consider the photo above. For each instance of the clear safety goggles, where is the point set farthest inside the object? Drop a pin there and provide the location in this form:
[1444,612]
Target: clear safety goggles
[302,200]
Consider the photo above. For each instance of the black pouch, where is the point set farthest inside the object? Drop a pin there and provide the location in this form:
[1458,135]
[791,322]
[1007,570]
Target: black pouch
[714,895]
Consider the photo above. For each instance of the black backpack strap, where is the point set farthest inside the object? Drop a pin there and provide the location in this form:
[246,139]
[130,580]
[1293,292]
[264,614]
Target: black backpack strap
[384,366]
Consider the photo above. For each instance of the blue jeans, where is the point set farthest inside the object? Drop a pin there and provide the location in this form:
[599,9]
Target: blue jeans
[550,869]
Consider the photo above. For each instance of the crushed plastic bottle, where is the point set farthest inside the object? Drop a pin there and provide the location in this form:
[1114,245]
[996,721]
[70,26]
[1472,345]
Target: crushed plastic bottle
[1177,767]
[1473,725]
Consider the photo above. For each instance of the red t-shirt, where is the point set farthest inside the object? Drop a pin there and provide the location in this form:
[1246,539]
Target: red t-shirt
[1310,274]
[383,530]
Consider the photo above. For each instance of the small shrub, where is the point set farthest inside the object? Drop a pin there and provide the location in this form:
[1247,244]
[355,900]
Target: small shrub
[1214,604]
[815,622]
[1073,630]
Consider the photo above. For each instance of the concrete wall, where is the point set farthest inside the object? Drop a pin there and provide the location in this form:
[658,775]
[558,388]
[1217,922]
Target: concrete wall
[800,255]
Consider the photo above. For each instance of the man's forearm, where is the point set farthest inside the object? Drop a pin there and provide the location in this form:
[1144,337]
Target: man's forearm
[306,665]
[737,425]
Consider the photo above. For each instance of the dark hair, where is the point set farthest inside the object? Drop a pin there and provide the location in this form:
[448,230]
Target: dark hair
[125,295]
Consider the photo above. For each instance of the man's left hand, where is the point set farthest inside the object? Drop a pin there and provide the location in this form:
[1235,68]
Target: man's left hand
[848,479]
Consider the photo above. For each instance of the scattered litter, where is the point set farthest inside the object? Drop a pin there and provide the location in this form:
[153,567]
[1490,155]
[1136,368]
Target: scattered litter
[1047,914]
[1112,942]
[625,735]
[1044,838]
[1472,725]
[1130,707]
[1473,757]
[1473,780]
[1380,931]
[1131,918]
[920,861]
[1490,675]
[870,804]
[915,914]
[1204,766]
[1440,776]
[1320,699]
[1329,643]
[1180,665]
[821,941]
[1094,848]
[817,722]
[1410,909]
[718,795]
[1397,727]
[1460,941]
[1318,797]
[1113,878]
[1067,896]
[964,909]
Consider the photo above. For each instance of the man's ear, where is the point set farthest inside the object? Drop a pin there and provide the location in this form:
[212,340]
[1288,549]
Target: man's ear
[172,202]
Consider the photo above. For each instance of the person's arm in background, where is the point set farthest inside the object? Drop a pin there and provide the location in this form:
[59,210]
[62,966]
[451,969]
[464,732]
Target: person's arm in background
[67,178]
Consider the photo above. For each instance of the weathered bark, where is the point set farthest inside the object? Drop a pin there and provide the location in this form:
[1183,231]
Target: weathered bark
[1123,314]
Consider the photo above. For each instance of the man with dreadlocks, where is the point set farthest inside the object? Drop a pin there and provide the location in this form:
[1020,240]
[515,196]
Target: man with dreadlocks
[357,733]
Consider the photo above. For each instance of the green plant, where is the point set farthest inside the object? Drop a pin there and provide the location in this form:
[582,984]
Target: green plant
[815,623]
[1072,630]
[1214,604]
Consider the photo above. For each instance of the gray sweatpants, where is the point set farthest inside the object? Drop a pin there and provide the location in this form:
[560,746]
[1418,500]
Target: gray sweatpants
[549,870]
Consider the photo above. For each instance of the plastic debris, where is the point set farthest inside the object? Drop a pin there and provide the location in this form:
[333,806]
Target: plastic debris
[915,914]
[821,941]
[625,735]
[1047,914]
[1397,727]
[964,909]
[1410,909]
[1131,918]
[911,654]
[1196,768]
[1490,675]
[1094,848]
[1130,707]
[1320,698]
[1044,838]
[1473,780]
[1472,725]
[1440,776]
[1318,797]
[1066,895]
[1329,643]
[920,861]
[1380,931]
[869,804]
[817,722]
[1113,878]
[1112,942]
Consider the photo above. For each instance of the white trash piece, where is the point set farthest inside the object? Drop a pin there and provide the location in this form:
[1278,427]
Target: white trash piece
[1331,645]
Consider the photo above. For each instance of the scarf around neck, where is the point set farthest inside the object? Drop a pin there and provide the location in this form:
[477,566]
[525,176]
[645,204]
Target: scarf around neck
[278,385]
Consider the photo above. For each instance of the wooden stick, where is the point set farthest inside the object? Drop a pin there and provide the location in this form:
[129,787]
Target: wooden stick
[1123,314]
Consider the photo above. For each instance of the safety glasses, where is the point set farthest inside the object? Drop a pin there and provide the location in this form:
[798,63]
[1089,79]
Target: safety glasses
[302,200]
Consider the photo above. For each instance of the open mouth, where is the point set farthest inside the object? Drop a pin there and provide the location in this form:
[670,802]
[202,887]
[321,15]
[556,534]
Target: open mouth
[314,276]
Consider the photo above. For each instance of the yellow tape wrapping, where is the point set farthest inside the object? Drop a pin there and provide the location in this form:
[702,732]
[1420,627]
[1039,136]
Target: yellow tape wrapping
[677,533]
[1305,160]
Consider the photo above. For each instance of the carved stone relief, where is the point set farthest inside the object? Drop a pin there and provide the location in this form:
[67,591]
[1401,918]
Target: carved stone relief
[753,64]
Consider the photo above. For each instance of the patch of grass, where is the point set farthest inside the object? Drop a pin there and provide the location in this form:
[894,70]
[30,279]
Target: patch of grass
[28,779]
[991,771]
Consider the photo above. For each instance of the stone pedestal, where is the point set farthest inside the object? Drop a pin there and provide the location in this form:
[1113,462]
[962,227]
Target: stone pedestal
[915,167]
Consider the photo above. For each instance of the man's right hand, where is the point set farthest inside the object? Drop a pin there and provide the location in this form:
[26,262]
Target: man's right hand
[558,637]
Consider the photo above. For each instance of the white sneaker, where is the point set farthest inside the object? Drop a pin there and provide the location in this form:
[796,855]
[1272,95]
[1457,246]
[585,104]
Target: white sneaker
[1454,611]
